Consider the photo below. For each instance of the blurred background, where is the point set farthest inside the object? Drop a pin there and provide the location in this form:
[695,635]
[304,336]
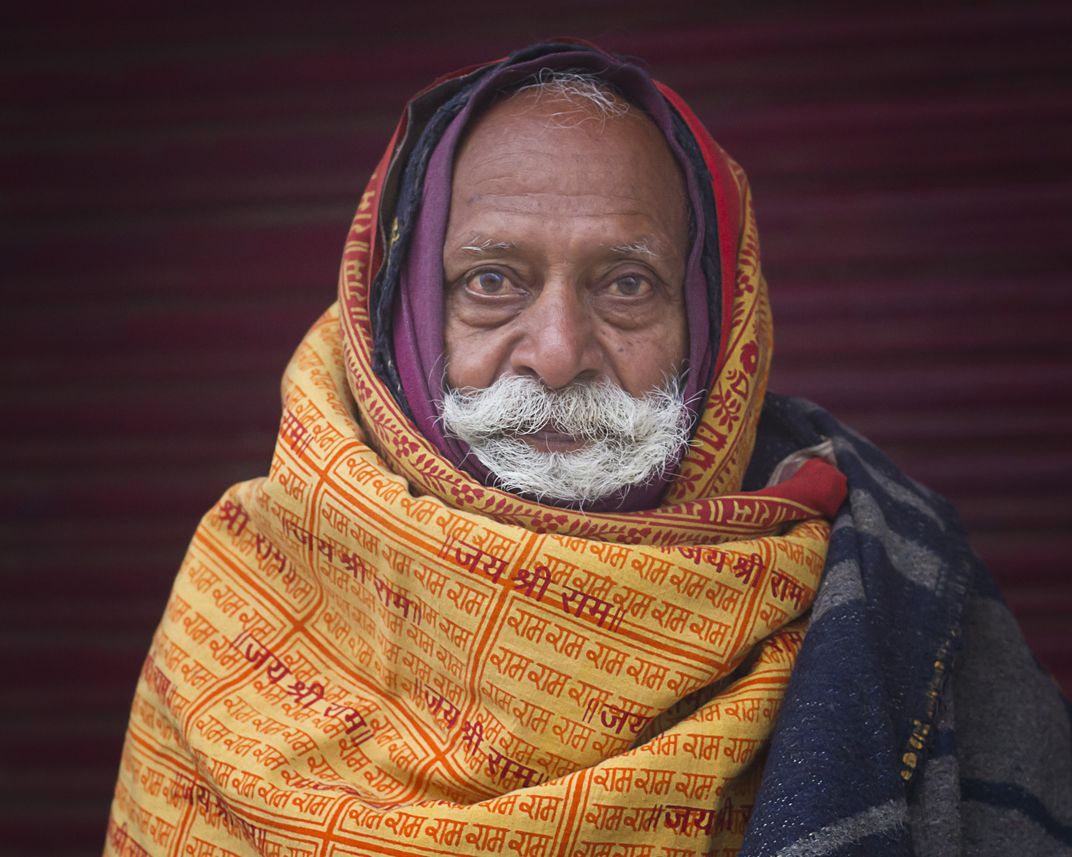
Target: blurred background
[176,184]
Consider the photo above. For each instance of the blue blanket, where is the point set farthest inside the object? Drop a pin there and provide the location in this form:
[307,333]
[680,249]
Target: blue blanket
[916,721]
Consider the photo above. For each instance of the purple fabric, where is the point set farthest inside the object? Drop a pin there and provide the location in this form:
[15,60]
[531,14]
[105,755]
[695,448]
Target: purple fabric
[418,312]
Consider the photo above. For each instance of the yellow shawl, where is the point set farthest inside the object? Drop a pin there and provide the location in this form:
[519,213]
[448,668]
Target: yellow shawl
[367,651]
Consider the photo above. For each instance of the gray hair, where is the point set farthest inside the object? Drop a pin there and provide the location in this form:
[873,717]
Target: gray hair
[587,95]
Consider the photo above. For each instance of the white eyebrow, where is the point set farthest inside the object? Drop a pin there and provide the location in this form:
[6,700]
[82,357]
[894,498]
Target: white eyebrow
[486,245]
[633,248]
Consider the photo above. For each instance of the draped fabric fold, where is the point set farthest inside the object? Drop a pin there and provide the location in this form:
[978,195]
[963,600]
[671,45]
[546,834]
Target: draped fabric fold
[917,721]
[369,650]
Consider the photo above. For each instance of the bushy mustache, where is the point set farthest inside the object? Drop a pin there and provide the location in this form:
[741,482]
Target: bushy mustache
[520,405]
[628,440]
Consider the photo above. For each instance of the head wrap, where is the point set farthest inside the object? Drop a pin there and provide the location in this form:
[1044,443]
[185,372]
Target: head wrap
[405,358]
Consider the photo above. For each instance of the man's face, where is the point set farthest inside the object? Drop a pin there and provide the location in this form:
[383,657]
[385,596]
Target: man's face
[565,253]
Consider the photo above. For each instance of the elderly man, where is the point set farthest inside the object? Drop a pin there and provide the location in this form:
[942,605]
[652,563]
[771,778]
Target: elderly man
[539,569]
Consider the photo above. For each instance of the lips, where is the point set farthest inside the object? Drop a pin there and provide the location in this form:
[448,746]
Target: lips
[548,440]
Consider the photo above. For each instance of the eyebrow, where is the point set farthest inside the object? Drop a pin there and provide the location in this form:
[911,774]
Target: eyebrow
[484,246]
[633,248]
[480,246]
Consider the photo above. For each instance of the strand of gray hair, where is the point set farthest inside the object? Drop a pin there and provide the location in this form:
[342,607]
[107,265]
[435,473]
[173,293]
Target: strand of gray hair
[588,95]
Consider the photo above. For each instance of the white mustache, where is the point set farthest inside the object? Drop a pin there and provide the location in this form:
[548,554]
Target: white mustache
[629,440]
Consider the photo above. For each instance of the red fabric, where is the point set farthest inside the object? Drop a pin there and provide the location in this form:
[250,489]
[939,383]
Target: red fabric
[726,202]
[816,484]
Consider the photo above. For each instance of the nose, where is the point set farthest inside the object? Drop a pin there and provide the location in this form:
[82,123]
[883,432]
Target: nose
[559,344]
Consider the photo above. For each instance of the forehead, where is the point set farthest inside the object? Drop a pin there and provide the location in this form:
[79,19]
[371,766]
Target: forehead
[539,154]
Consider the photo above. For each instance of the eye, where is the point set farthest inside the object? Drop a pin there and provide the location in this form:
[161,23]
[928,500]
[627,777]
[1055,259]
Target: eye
[631,286]
[487,283]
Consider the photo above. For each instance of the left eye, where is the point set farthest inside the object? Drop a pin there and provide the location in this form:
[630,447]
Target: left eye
[487,283]
[631,286]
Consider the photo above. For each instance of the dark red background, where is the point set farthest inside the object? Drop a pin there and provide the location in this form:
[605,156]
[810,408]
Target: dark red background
[177,186]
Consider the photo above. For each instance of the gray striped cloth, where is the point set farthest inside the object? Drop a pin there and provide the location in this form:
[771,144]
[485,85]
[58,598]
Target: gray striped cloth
[916,721]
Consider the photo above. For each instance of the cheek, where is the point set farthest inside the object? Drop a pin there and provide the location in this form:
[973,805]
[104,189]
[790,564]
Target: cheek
[644,361]
[471,356]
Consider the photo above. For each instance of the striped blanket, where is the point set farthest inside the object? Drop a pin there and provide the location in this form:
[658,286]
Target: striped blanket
[916,720]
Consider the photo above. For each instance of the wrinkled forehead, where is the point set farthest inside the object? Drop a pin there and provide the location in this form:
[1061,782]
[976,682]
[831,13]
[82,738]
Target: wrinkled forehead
[537,149]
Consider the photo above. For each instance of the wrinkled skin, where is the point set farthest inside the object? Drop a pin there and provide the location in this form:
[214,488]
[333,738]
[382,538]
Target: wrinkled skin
[565,251]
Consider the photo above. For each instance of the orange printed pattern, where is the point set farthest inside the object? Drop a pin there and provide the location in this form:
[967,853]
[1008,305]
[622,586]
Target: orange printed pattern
[366,651]
[346,666]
